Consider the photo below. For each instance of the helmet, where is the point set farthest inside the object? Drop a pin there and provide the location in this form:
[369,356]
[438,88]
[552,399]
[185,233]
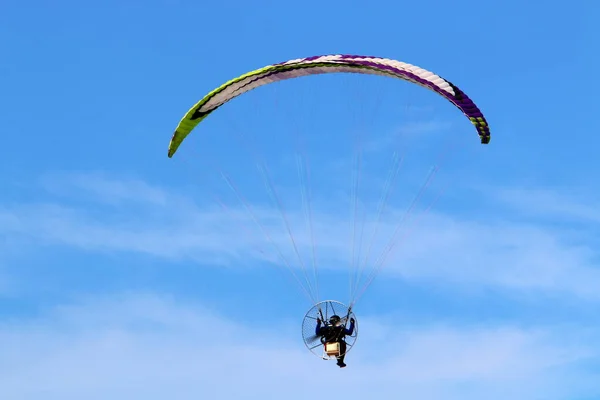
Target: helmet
[334,320]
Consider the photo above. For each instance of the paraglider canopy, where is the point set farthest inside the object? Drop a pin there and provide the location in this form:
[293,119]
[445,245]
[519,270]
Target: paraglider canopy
[323,65]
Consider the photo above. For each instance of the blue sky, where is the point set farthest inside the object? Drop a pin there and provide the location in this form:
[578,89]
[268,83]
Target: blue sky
[122,277]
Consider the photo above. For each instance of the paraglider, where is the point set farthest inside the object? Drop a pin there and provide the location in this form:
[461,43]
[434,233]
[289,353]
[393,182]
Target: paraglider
[329,332]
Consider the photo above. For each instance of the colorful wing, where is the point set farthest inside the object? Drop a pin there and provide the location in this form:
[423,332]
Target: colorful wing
[323,65]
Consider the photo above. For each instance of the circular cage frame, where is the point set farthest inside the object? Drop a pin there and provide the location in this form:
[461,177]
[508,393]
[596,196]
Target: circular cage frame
[324,310]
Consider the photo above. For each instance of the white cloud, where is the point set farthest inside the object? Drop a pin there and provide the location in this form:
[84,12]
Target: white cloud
[559,203]
[409,135]
[499,253]
[505,253]
[154,348]
[100,187]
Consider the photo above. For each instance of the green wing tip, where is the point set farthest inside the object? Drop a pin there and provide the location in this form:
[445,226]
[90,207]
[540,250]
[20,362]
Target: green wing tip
[173,144]
[172,150]
[485,139]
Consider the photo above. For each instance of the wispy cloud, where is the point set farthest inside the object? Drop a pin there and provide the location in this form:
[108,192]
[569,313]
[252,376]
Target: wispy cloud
[509,254]
[502,253]
[564,203]
[152,347]
[98,186]
[410,134]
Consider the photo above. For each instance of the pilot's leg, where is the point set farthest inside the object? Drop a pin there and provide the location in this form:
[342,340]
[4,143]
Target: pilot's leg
[340,359]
